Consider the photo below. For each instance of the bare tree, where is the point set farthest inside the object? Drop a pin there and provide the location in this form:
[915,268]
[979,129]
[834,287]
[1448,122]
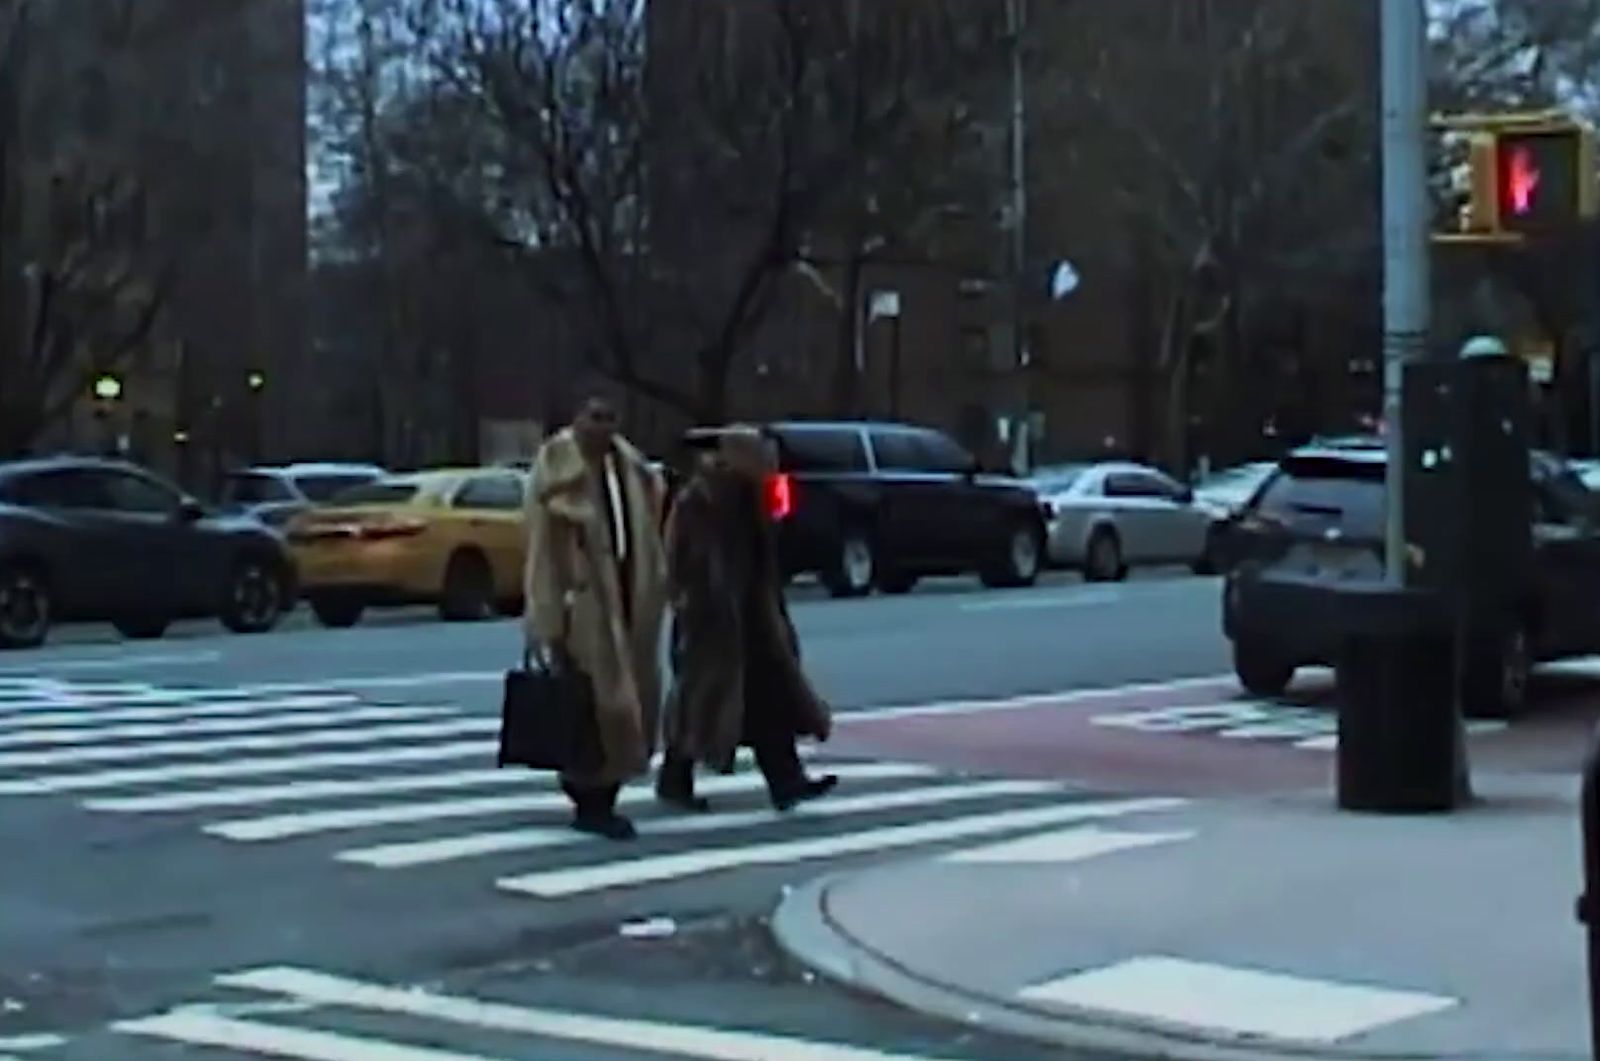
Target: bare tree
[91,278]
[660,206]
[1515,53]
[1251,191]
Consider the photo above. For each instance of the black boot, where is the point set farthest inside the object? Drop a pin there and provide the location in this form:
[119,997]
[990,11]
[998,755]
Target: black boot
[805,790]
[595,813]
[787,784]
[675,785]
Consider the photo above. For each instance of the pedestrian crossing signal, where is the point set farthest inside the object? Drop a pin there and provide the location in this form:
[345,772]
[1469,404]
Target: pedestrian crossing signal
[1544,178]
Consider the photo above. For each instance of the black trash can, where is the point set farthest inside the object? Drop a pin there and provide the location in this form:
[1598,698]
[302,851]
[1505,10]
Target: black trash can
[1401,743]
[1400,737]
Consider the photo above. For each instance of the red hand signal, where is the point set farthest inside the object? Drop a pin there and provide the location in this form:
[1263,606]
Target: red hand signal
[1522,180]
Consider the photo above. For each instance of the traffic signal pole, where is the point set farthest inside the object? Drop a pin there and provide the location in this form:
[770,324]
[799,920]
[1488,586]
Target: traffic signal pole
[1406,285]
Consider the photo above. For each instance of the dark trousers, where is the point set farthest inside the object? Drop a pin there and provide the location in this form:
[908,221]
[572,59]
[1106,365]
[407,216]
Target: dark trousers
[592,802]
[776,757]
[779,762]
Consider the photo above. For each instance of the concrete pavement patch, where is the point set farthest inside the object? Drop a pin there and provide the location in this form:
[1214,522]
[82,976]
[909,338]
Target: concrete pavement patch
[1480,928]
[805,926]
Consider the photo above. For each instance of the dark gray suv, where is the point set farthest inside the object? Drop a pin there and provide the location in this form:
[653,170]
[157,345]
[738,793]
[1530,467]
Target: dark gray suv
[95,540]
[867,505]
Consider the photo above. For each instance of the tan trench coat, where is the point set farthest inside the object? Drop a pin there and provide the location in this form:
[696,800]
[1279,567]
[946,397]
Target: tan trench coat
[574,596]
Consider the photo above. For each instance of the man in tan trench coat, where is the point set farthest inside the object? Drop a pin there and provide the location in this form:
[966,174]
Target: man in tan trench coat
[595,590]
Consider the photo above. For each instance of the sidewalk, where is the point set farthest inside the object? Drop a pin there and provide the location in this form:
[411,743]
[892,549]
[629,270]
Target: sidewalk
[1261,928]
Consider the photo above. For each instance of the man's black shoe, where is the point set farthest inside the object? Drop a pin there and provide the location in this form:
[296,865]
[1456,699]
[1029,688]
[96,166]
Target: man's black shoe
[610,826]
[811,789]
[676,797]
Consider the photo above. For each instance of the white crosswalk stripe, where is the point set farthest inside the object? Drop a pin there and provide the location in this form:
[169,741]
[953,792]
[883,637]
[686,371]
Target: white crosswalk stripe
[90,719]
[284,826]
[321,998]
[451,849]
[402,787]
[77,735]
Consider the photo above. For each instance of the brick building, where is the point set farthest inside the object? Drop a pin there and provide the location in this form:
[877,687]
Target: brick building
[202,104]
[1116,90]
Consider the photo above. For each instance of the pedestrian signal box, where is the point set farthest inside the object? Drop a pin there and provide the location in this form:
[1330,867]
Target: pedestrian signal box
[1528,174]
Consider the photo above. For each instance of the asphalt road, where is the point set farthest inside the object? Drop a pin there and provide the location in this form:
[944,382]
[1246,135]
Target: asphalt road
[308,815]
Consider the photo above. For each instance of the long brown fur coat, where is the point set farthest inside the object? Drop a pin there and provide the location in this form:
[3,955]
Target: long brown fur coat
[574,596]
[733,644]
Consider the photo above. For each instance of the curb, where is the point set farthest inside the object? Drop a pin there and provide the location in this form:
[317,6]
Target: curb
[805,929]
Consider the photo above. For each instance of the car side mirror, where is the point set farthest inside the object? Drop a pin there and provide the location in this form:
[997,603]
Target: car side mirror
[190,511]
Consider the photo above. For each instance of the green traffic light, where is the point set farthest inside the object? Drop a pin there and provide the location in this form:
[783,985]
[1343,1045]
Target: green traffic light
[108,388]
[256,381]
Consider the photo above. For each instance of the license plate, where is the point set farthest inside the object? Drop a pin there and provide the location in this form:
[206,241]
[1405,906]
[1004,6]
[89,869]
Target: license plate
[1331,558]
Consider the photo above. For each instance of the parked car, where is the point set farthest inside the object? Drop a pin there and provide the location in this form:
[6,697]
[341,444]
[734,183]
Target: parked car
[275,495]
[1105,518]
[1322,514]
[1588,471]
[882,505]
[84,539]
[1227,491]
[449,538]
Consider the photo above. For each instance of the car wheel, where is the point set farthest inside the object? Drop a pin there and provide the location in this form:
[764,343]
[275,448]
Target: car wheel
[256,596]
[854,568]
[142,627]
[1103,559]
[1261,669]
[468,593]
[1494,682]
[26,608]
[337,611]
[1020,563]
[897,583]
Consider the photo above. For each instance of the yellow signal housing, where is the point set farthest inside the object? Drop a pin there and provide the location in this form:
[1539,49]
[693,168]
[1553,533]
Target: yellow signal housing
[1481,214]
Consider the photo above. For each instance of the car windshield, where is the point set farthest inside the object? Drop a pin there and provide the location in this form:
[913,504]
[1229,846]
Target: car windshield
[253,488]
[389,492]
[1056,480]
[1323,494]
[324,487]
[1243,475]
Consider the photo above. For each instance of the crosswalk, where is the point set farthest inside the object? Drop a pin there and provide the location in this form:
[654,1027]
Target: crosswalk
[313,1015]
[393,787]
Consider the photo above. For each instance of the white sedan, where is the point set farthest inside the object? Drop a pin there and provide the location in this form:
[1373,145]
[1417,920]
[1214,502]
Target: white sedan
[1106,518]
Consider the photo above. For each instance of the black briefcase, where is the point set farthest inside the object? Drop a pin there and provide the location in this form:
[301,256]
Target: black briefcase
[547,719]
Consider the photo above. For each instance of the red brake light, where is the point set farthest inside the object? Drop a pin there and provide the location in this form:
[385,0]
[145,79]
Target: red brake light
[780,496]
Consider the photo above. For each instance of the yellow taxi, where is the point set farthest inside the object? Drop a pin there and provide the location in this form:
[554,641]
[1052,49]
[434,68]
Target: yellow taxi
[451,538]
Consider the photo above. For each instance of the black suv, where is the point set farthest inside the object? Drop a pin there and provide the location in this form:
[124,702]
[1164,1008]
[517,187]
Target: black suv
[880,505]
[86,539]
[1321,514]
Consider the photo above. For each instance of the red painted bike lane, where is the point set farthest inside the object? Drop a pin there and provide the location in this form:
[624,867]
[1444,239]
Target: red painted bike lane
[1200,737]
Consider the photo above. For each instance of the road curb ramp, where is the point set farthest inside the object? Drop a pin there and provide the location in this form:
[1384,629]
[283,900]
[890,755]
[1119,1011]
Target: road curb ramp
[807,927]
